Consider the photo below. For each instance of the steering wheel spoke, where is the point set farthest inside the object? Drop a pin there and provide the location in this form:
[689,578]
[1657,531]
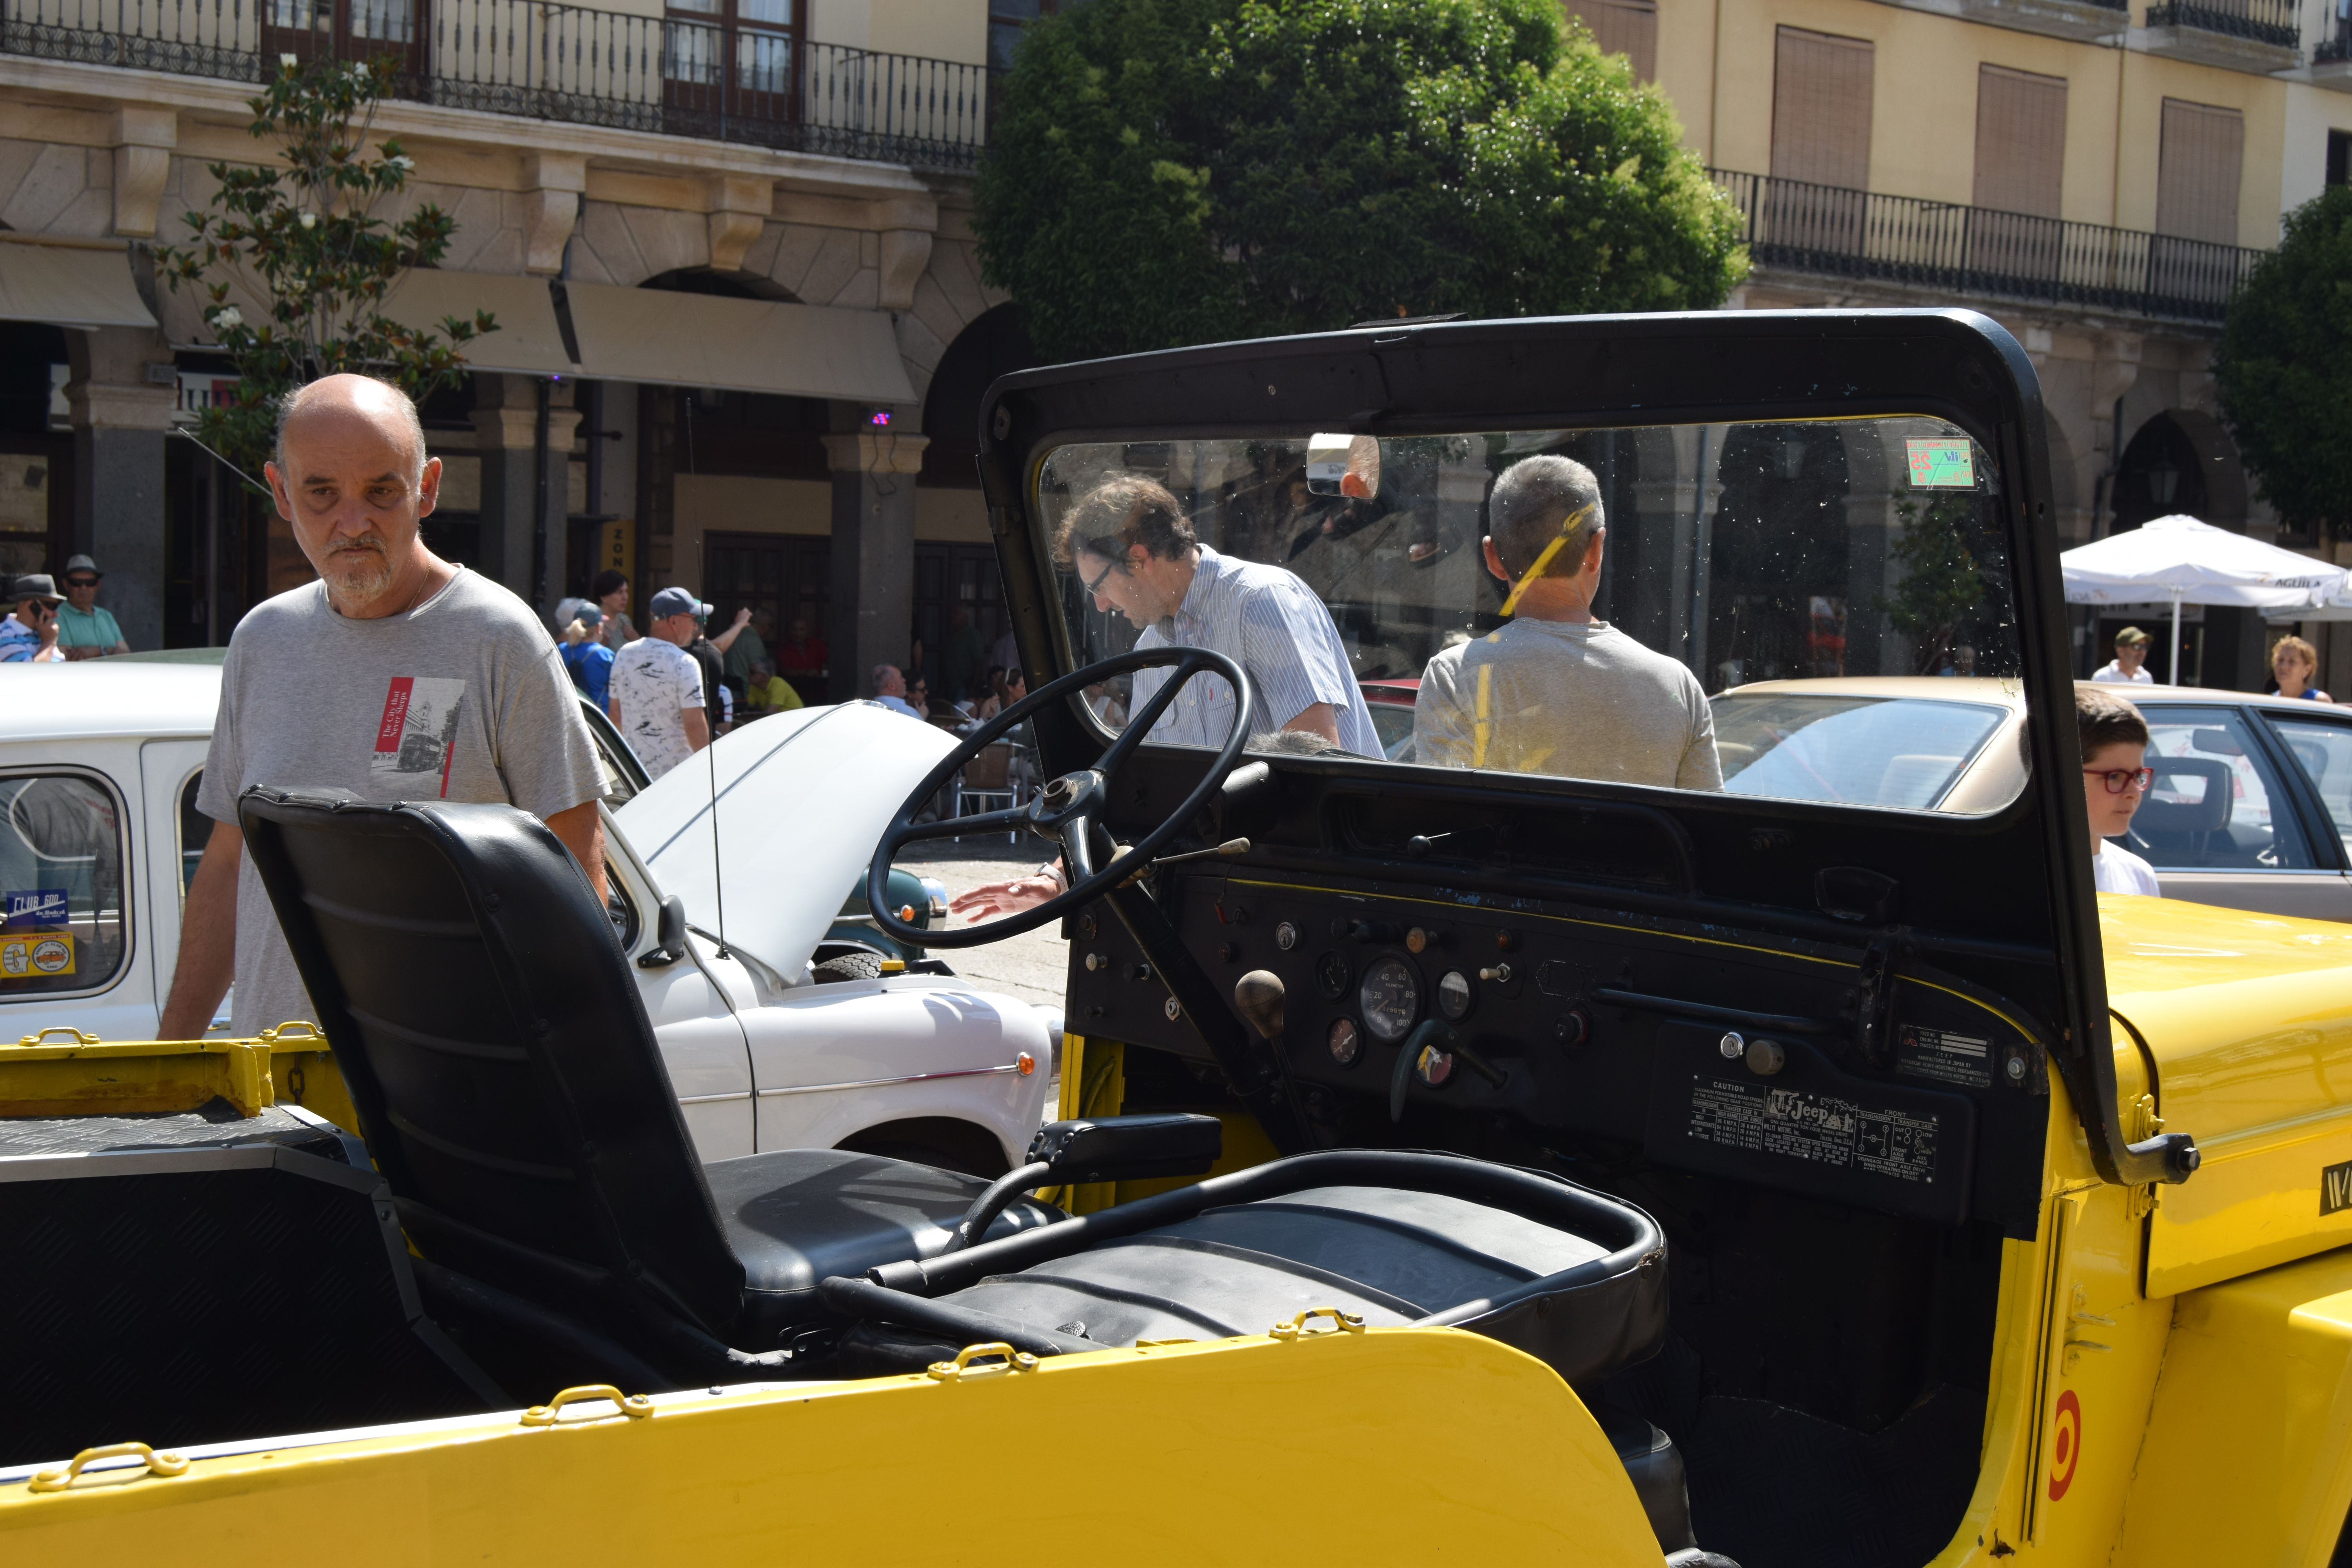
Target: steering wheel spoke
[1070,807]
[1011,820]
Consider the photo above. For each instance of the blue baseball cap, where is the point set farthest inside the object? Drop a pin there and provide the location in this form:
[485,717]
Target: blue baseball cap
[677,601]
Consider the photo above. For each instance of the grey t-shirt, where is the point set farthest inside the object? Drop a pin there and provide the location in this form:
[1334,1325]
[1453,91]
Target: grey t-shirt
[463,697]
[1577,699]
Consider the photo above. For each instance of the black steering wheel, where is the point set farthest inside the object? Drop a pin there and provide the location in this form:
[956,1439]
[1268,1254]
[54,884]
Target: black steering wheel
[1067,810]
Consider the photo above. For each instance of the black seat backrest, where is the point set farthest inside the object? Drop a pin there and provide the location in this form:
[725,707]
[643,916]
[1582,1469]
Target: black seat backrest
[2208,788]
[484,1015]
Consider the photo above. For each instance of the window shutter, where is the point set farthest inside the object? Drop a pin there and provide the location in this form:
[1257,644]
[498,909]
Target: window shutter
[1628,27]
[1820,109]
[2199,165]
[2021,141]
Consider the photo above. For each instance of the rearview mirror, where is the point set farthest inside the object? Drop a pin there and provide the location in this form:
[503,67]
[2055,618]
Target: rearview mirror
[1343,466]
[2216,742]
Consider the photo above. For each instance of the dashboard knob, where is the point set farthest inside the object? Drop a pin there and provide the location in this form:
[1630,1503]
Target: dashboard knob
[1500,973]
[1766,1057]
[1733,1045]
[1573,1029]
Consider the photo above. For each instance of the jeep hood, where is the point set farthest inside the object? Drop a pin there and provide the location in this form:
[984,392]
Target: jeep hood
[803,800]
[2248,1020]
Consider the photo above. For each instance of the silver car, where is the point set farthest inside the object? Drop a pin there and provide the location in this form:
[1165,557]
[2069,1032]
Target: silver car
[2250,808]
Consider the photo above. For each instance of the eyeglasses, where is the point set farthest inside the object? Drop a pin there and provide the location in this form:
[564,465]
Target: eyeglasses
[2118,780]
[81,581]
[1094,589]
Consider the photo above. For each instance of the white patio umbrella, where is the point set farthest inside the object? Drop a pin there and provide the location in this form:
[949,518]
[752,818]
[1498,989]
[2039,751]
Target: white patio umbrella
[2192,562]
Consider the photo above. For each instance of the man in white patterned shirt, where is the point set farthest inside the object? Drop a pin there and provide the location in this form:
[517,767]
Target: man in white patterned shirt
[1135,552]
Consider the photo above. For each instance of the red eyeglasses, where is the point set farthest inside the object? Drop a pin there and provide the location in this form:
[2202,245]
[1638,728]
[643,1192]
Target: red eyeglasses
[2118,780]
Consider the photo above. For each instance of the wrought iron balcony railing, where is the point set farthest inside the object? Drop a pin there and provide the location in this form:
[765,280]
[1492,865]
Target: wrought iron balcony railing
[2261,21]
[1976,252]
[2337,45]
[679,77]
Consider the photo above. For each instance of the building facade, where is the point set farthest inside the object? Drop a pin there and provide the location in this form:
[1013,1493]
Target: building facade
[2097,176]
[742,330]
[725,243]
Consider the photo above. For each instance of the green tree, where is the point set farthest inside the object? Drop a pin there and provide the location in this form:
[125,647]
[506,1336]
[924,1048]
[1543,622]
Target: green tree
[1165,172]
[2285,367]
[1941,587]
[299,235]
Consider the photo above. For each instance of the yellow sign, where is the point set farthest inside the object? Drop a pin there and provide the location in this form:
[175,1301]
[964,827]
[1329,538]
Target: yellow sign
[617,549]
[35,955]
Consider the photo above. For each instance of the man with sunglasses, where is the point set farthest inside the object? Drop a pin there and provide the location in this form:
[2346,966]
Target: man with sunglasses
[29,634]
[2116,777]
[84,630]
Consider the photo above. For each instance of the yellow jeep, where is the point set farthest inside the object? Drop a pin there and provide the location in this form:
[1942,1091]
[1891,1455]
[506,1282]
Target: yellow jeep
[1557,1130]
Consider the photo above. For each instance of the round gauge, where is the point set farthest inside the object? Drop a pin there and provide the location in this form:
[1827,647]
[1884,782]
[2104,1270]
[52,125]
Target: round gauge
[1285,936]
[1391,1000]
[1435,1068]
[1453,996]
[1345,1044]
[1331,973]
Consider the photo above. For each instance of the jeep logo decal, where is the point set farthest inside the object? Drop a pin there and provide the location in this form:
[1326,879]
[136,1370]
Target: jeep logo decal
[2336,1188]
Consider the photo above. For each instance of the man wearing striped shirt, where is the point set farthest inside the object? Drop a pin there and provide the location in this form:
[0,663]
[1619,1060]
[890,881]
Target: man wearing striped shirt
[1135,551]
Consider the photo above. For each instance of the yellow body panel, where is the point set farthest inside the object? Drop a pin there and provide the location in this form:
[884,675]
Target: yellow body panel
[56,1076]
[1390,1446]
[2248,1019]
[2248,1457]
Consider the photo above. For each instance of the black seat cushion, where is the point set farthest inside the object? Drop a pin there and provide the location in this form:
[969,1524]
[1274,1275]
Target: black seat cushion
[1390,1254]
[795,1215]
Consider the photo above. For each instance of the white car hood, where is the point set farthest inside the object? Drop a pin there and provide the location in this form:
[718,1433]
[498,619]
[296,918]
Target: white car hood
[803,800]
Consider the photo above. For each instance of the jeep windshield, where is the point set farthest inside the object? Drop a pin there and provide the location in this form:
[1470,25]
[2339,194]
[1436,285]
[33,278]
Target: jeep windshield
[1558,602]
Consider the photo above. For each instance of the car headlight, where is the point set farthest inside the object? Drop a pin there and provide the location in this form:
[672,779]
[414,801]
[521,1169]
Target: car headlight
[937,893]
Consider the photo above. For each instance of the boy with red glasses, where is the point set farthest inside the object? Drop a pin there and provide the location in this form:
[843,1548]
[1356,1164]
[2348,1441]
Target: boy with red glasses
[2115,777]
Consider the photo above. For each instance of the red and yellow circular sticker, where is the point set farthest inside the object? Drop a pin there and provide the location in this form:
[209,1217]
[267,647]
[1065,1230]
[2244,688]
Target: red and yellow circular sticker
[2065,1444]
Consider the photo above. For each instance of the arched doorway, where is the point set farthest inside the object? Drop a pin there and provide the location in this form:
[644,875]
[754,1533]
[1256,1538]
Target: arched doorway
[2162,473]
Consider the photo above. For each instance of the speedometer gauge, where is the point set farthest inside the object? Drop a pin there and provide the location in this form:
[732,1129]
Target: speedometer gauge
[1391,1000]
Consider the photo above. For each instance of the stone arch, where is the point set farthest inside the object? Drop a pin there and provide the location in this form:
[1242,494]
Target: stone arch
[993,343]
[722,285]
[2180,461]
[950,296]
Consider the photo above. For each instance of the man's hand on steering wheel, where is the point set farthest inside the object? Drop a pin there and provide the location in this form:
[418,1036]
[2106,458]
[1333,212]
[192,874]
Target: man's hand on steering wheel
[1068,810]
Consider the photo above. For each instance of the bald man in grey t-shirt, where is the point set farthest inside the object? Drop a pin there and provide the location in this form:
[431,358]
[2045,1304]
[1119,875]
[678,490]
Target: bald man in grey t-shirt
[1556,691]
[397,676]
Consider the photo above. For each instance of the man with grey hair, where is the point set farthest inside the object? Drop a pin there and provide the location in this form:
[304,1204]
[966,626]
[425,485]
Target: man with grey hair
[1554,690]
[396,676]
[890,689]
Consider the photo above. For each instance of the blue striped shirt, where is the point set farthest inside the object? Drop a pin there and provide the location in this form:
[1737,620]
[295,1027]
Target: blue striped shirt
[1272,624]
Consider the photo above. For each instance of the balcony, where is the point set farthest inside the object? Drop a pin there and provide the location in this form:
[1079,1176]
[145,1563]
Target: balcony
[555,62]
[2083,21]
[2331,60]
[2237,35]
[1962,252]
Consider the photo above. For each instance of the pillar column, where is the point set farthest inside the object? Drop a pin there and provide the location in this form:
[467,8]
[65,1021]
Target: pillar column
[524,541]
[121,418]
[873,555]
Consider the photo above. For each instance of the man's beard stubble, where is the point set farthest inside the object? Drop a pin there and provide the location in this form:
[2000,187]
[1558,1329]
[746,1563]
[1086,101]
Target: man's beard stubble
[358,569]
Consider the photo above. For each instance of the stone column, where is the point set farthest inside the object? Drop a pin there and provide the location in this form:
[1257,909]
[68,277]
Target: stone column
[119,421]
[873,555]
[515,487]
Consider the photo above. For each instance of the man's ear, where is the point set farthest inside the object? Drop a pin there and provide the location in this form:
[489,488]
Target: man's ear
[1494,558]
[1592,551]
[277,496]
[428,487]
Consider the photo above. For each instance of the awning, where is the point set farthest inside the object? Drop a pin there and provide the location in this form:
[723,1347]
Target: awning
[69,286]
[742,345]
[528,341]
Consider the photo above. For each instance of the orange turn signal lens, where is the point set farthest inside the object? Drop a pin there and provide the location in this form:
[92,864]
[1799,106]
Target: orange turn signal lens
[1027,1064]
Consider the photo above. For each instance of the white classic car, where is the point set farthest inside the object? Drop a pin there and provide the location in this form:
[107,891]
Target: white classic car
[768,1045]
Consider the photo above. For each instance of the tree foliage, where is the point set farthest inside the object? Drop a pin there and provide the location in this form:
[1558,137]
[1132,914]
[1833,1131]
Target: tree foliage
[1941,588]
[2285,367]
[1165,172]
[299,235]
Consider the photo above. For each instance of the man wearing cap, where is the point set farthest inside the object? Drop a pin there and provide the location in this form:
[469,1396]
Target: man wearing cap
[656,685]
[395,676]
[84,630]
[2131,655]
[585,655]
[30,633]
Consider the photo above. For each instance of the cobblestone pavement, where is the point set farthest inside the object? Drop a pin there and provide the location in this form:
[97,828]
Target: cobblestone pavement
[1032,966]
